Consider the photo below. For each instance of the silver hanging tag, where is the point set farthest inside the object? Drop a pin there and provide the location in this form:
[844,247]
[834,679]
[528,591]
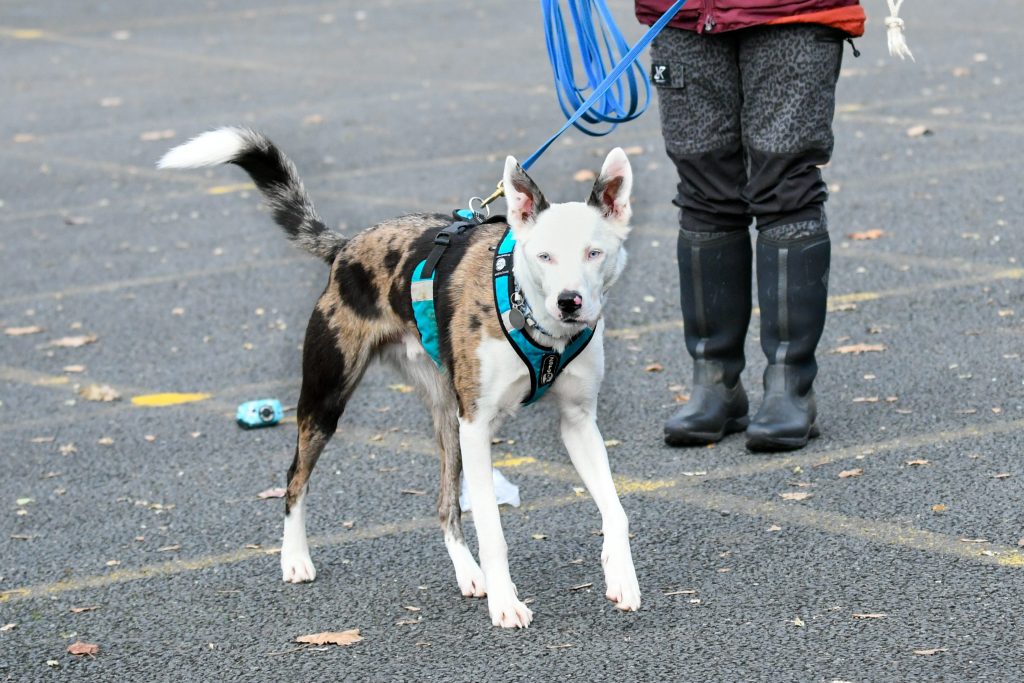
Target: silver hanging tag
[516,318]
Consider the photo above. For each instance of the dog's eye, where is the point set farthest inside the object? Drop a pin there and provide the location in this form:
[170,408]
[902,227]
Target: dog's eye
[544,257]
[594,254]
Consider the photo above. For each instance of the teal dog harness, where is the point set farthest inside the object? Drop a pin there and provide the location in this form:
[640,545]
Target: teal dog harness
[544,363]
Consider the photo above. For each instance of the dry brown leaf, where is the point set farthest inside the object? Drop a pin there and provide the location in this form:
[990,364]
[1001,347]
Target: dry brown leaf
[918,463]
[584,175]
[654,367]
[153,135]
[22,331]
[7,627]
[866,235]
[75,341]
[870,615]
[939,507]
[272,493]
[932,651]
[79,610]
[846,474]
[74,368]
[795,495]
[80,648]
[331,638]
[99,392]
[857,349]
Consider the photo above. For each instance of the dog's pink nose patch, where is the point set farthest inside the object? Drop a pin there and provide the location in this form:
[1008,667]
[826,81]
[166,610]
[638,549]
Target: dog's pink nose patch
[578,300]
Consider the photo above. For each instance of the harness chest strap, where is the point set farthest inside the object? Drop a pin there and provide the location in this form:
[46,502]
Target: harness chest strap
[544,363]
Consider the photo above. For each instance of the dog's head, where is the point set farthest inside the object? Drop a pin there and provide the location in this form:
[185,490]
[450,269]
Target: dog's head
[568,255]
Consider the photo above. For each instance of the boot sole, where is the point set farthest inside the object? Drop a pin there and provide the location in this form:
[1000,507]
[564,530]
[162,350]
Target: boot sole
[782,443]
[732,425]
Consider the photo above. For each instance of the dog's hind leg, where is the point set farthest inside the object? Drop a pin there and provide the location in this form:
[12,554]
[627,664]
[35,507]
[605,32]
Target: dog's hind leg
[467,572]
[329,376]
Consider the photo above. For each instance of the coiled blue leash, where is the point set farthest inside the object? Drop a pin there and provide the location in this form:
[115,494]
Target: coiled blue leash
[599,37]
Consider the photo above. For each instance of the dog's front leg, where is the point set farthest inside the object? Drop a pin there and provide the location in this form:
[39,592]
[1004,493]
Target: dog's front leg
[590,457]
[504,606]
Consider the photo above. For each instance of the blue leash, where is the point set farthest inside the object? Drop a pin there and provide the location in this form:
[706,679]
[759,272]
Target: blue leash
[592,48]
[612,111]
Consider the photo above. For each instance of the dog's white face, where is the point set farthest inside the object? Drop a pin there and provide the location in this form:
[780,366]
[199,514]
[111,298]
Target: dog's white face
[568,255]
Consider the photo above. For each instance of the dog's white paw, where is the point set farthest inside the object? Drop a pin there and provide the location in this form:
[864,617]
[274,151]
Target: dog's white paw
[471,581]
[509,611]
[296,566]
[620,577]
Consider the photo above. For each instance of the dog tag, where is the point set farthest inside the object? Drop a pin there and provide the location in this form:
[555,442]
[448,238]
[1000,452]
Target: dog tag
[516,318]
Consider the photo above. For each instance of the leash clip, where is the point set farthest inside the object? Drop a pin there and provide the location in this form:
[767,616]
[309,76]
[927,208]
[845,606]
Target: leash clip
[482,204]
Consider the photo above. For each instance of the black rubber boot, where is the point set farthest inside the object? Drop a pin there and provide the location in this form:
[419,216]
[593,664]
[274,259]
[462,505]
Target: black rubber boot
[792,285]
[714,280]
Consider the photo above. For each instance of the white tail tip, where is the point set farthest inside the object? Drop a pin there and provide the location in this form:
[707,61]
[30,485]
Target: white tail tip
[214,147]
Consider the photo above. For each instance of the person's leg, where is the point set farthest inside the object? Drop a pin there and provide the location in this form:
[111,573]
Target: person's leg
[700,100]
[789,77]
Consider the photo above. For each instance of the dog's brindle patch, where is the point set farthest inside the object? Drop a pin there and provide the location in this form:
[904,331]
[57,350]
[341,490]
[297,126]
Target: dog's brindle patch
[342,337]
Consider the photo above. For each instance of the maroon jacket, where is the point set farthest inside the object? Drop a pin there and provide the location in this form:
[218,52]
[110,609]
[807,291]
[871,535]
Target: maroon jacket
[728,15]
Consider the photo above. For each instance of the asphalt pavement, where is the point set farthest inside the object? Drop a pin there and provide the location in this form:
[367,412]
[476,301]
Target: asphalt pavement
[139,528]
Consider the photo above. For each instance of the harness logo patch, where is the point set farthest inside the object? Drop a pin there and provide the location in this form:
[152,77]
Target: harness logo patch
[501,266]
[548,367]
[661,74]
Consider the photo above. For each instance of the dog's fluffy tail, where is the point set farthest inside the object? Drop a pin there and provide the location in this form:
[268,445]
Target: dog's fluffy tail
[273,173]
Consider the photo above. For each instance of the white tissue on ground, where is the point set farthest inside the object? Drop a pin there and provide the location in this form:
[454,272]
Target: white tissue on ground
[505,491]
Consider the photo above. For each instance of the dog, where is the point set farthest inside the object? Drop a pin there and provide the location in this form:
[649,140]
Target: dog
[565,258]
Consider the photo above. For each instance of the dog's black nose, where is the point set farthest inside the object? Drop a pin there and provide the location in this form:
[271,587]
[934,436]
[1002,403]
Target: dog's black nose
[569,302]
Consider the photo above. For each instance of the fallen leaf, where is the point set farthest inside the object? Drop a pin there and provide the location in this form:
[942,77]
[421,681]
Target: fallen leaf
[7,627]
[112,563]
[869,615]
[409,621]
[612,443]
[68,449]
[974,540]
[582,586]
[774,527]
[21,537]
[1002,475]
[149,437]
[74,368]
[349,524]
[401,388]
[795,495]
[153,135]
[75,341]
[79,610]
[53,663]
[43,439]
[272,493]
[99,392]
[105,441]
[866,235]
[80,648]
[538,537]
[918,463]
[22,331]
[797,621]
[846,474]
[584,175]
[866,399]
[932,651]
[654,367]
[331,638]
[560,646]
[410,608]
[169,548]
[857,349]
[939,507]
[919,131]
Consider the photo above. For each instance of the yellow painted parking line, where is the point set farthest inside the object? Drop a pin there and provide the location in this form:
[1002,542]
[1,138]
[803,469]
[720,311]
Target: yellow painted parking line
[228,189]
[175,567]
[170,399]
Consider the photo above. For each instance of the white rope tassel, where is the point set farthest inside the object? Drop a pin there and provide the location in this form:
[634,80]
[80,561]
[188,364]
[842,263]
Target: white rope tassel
[897,41]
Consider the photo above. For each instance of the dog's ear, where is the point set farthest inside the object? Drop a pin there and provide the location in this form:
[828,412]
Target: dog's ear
[612,188]
[524,199]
